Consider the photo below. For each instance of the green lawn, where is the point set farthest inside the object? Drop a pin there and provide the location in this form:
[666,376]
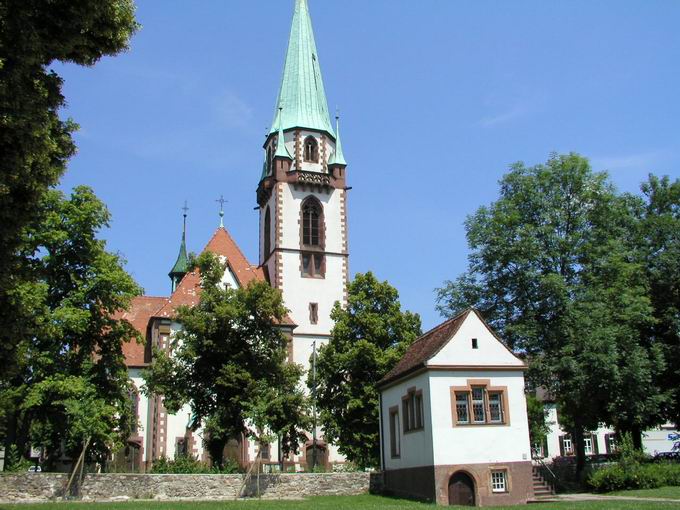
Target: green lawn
[662,492]
[323,503]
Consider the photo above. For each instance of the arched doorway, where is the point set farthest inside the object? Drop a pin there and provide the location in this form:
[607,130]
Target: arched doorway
[461,490]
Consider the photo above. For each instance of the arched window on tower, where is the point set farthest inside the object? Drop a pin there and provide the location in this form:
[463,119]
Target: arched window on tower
[270,170]
[312,242]
[267,233]
[311,150]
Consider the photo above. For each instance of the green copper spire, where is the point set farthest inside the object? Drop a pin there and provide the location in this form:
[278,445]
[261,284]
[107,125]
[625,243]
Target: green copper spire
[181,266]
[281,149]
[302,99]
[337,158]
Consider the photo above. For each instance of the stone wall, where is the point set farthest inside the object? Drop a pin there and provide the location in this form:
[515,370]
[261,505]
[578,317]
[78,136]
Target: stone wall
[35,487]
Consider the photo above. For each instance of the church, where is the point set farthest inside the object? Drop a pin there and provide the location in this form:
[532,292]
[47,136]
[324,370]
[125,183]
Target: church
[303,251]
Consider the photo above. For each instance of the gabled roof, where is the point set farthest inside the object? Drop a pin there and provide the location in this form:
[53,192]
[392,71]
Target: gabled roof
[428,346]
[302,96]
[188,291]
[141,310]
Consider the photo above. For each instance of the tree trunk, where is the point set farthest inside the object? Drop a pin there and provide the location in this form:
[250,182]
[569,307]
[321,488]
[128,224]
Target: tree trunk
[579,450]
[636,434]
[216,451]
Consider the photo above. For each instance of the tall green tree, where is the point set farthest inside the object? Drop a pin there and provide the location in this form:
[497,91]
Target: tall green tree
[658,236]
[370,336]
[229,362]
[70,381]
[34,142]
[552,268]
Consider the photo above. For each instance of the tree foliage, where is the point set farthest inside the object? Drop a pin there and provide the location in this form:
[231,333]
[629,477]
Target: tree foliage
[70,380]
[369,337]
[554,269]
[658,235]
[34,142]
[229,362]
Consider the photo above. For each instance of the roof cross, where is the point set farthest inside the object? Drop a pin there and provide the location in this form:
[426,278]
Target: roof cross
[221,201]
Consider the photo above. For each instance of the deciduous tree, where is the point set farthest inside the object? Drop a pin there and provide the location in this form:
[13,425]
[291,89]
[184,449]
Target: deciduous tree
[229,363]
[70,382]
[35,142]
[369,337]
[552,269]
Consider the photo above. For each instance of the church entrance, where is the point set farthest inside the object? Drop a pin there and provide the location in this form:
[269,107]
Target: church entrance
[461,490]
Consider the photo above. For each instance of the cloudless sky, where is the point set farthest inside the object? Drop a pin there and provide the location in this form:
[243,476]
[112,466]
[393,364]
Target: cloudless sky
[437,97]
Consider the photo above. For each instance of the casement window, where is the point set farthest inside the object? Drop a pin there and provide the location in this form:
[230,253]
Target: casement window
[412,410]
[499,481]
[478,403]
[265,451]
[395,433]
[495,407]
[566,446]
[311,150]
[610,443]
[313,265]
[588,445]
[463,407]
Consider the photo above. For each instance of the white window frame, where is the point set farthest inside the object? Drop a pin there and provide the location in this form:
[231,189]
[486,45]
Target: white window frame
[588,445]
[499,480]
[567,445]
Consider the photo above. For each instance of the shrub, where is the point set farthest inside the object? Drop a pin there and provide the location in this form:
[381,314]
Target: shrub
[187,465]
[638,476]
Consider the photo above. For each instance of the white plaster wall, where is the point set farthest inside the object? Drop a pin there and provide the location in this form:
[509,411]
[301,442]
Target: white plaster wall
[416,447]
[483,443]
[176,427]
[298,292]
[459,350]
[143,420]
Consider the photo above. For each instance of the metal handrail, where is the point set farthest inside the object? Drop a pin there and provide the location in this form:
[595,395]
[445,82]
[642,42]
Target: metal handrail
[543,464]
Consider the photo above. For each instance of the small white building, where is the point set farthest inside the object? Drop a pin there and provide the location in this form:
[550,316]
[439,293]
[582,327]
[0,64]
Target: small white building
[454,426]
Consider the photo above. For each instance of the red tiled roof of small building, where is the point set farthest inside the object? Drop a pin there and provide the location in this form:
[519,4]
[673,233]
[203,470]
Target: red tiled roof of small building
[425,347]
[141,310]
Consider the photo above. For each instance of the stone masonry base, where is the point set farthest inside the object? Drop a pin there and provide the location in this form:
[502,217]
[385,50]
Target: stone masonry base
[431,483]
[38,487]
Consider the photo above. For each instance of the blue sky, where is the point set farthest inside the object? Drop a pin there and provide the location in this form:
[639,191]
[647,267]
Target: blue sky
[438,98]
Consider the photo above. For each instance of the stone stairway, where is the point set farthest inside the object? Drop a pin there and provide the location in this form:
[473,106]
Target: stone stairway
[542,489]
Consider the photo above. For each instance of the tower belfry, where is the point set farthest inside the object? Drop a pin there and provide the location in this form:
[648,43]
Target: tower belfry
[302,196]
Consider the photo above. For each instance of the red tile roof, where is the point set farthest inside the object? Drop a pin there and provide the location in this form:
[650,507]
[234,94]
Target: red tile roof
[188,291]
[425,348]
[141,310]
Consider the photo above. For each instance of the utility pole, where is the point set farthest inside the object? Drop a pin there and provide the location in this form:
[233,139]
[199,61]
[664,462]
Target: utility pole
[314,404]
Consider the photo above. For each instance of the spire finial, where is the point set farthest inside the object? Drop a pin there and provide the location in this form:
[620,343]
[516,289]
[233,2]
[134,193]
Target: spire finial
[221,201]
[338,157]
[185,210]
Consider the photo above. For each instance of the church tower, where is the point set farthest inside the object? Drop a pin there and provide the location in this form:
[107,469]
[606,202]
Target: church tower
[302,196]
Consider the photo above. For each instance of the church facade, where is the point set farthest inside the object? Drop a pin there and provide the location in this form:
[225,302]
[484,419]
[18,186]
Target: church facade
[303,251]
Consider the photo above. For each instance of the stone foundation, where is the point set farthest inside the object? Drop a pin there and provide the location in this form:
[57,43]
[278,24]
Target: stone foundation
[431,483]
[38,487]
